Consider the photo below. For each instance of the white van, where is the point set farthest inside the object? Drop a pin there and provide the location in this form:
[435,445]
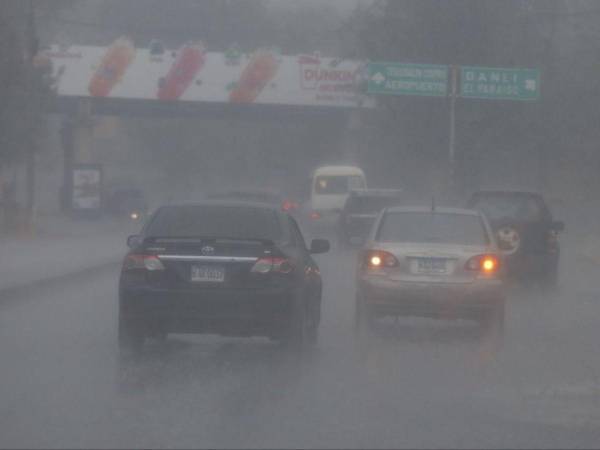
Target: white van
[331,185]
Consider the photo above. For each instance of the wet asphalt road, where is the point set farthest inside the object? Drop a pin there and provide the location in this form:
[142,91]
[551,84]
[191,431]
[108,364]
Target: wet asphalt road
[423,384]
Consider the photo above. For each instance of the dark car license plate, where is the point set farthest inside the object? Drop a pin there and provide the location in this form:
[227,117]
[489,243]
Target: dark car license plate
[208,274]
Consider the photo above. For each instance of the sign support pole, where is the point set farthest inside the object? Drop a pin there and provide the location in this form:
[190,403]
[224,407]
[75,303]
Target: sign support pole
[452,139]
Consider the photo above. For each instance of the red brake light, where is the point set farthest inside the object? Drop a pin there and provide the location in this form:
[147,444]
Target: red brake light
[379,259]
[272,265]
[142,262]
[315,215]
[487,264]
[289,205]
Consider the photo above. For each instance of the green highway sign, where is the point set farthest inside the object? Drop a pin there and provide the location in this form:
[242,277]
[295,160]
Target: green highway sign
[499,84]
[407,79]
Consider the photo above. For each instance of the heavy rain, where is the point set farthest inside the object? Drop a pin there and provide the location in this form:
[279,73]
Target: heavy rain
[299,224]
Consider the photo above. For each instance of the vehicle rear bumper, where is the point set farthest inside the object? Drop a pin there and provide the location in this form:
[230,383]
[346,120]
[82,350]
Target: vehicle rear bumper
[220,311]
[440,300]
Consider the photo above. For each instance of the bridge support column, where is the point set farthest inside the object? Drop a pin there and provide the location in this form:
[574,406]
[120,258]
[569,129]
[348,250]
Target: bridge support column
[76,137]
[82,133]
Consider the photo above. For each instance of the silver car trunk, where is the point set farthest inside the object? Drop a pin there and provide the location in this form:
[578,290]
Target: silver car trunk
[425,262]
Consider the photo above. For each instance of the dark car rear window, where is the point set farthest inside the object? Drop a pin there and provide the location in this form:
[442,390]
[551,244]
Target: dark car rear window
[370,205]
[427,227]
[496,206]
[215,221]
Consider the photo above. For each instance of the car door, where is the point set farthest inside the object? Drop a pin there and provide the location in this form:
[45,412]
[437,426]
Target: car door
[310,270]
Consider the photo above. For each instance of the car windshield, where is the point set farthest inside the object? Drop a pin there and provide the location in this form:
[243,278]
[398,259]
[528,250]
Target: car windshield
[370,205]
[215,221]
[507,206]
[427,227]
[337,184]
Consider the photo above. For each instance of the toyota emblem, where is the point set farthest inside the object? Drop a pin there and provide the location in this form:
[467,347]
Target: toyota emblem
[207,250]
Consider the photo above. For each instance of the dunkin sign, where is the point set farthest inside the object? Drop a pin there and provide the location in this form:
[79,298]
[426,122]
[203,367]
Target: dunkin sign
[327,76]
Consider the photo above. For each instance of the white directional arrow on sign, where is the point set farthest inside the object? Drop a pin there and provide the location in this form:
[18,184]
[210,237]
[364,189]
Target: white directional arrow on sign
[378,78]
[530,85]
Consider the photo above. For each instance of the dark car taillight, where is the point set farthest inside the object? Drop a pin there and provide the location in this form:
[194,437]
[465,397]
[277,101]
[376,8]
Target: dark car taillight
[142,262]
[272,265]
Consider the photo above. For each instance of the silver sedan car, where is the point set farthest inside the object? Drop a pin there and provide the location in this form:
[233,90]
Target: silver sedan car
[430,262]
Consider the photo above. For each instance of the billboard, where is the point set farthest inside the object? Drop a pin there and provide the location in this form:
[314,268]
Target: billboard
[87,188]
[193,74]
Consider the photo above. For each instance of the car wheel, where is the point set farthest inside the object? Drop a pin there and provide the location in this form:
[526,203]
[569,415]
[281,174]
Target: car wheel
[363,319]
[299,334]
[131,338]
[493,322]
[549,280]
[315,320]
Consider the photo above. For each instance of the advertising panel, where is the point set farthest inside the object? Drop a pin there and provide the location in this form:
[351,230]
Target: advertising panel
[87,188]
[192,74]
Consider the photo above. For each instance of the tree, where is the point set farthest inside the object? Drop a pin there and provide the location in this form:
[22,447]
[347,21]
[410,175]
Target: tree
[24,90]
[12,68]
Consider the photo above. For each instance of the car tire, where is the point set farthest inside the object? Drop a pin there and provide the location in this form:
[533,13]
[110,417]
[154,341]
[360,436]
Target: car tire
[549,279]
[300,336]
[315,320]
[493,322]
[363,319]
[130,338]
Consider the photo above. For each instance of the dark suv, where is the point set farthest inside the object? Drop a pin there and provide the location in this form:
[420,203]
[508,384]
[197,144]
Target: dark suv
[360,211]
[526,232]
[228,268]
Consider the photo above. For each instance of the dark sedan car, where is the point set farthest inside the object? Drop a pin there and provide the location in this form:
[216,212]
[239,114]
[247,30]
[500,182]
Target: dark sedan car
[525,230]
[216,267]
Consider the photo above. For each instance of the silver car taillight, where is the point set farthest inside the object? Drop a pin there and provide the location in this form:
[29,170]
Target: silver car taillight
[487,264]
[378,259]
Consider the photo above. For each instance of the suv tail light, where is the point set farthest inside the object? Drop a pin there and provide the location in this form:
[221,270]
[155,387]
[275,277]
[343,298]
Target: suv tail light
[272,265]
[142,262]
[377,259]
[487,264]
